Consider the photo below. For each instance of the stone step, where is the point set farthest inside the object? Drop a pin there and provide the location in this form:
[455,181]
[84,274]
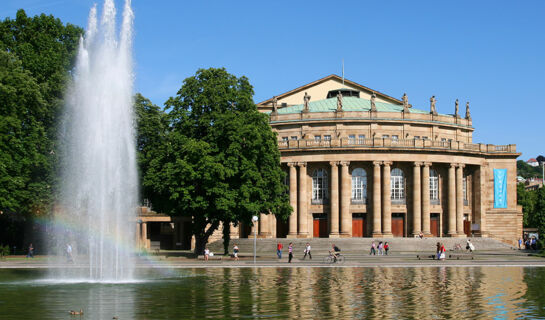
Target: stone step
[357,245]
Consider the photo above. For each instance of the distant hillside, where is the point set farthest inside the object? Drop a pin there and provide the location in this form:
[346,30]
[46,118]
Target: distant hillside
[527,171]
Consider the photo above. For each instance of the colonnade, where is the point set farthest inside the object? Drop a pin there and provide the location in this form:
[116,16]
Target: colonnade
[340,218]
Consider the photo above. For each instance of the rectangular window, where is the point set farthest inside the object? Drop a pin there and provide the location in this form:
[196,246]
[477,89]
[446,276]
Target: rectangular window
[352,138]
[284,139]
[317,138]
[385,136]
[444,139]
[464,189]
[424,138]
[293,137]
[434,188]
[327,137]
[395,137]
[397,188]
[416,137]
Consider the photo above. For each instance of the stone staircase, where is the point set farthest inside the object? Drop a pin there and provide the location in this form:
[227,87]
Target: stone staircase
[356,246]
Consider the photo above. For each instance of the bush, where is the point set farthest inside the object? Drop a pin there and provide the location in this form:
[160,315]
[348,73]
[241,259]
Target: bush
[4,251]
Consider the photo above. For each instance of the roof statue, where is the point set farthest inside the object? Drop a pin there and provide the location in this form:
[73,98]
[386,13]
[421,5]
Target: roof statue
[405,103]
[468,115]
[373,99]
[306,100]
[274,105]
[456,107]
[432,105]
[339,101]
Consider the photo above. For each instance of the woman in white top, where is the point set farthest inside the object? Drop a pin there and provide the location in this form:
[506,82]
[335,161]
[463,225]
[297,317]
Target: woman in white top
[206,253]
[307,251]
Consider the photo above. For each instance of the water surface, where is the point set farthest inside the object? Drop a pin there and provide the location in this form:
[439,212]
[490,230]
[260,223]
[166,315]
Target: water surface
[279,293]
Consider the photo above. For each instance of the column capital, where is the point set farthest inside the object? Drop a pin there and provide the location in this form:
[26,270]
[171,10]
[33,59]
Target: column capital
[334,163]
[377,163]
[292,164]
[453,165]
[418,164]
[427,164]
[387,163]
[345,163]
[461,165]
[302,164]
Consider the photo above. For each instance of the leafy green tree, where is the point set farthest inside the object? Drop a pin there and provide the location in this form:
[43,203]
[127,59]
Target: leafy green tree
[150,129]
[527,171]
[220,161]
[36,55]
[527,199]
[539,213]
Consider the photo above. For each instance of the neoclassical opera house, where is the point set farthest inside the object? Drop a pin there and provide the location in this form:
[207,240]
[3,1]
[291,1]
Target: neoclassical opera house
[361,163]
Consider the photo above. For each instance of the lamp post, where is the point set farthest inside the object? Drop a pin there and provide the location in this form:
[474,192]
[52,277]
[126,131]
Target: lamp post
[255,219]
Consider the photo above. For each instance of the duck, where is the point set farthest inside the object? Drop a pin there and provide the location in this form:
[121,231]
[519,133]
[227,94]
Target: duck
[80,312]
[115,317]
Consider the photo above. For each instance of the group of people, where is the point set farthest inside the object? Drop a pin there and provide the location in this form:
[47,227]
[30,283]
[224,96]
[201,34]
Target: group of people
[381,249]
[280,247]
[529,243]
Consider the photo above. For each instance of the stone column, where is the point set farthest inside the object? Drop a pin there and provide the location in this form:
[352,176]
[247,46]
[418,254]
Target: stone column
[302,219]
[460,200]
[377,225]
[145,235]
[452,200]
[426,199]
[417,222]
[386,201]
[346,220]
[138,236]
[292,233]
[334,214]
[264,230]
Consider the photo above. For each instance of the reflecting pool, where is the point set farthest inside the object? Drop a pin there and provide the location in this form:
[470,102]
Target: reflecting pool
[304,293]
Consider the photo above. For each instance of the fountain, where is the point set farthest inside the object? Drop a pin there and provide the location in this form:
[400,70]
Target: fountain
[98,190]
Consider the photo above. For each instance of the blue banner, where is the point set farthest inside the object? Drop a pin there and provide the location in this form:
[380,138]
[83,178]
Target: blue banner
[500,188]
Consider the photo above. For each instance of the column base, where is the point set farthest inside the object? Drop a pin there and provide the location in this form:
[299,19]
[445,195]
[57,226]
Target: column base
[291,236]
[387,235]
[334,235]
[303,235]
[264,235]
[345,235]
[376,235]
[416,234]
[452,235]
[461,235]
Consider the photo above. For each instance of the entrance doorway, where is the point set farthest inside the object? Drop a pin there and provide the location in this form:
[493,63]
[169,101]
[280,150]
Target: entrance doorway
[398,224]
[434,224]
[467,225]
[319,226]
[281,228]
[358,225]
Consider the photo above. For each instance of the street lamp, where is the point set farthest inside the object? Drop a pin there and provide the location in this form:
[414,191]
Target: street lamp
[255,219]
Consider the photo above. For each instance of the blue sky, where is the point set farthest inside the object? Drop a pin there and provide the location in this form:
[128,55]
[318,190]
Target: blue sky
[491,53]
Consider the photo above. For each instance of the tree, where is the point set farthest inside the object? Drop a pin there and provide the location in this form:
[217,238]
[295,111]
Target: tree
[539,213]
[150,128]
[527,199]
[220,161]
[36,55]
[527,171]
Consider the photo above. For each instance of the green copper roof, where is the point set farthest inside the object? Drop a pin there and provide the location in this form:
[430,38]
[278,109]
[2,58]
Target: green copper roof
[349,104]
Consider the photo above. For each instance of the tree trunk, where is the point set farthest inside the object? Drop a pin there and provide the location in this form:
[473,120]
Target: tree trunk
[202,234]
[226,237]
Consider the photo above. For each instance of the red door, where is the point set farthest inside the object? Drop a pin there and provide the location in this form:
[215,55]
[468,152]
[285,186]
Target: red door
[397,226]
[319,226]
[467,228]
[316,228]
[434,226]
[358,225]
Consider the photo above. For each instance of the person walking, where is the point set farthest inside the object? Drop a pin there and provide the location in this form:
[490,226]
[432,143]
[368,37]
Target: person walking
[443,251]
[438,251]
[469,246]
[290,252]
[279,247]
[386,247]
[30,253]
[373,251]
[307,251]
[520,243]
[235,251]
[69,257]
[380,247]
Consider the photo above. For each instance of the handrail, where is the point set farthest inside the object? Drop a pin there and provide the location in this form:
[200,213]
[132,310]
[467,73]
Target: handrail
[394,143]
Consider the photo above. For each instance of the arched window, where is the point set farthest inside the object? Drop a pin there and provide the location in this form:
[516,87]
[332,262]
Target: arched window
[319,186]
[397,185]
[359,185]
[434,186]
